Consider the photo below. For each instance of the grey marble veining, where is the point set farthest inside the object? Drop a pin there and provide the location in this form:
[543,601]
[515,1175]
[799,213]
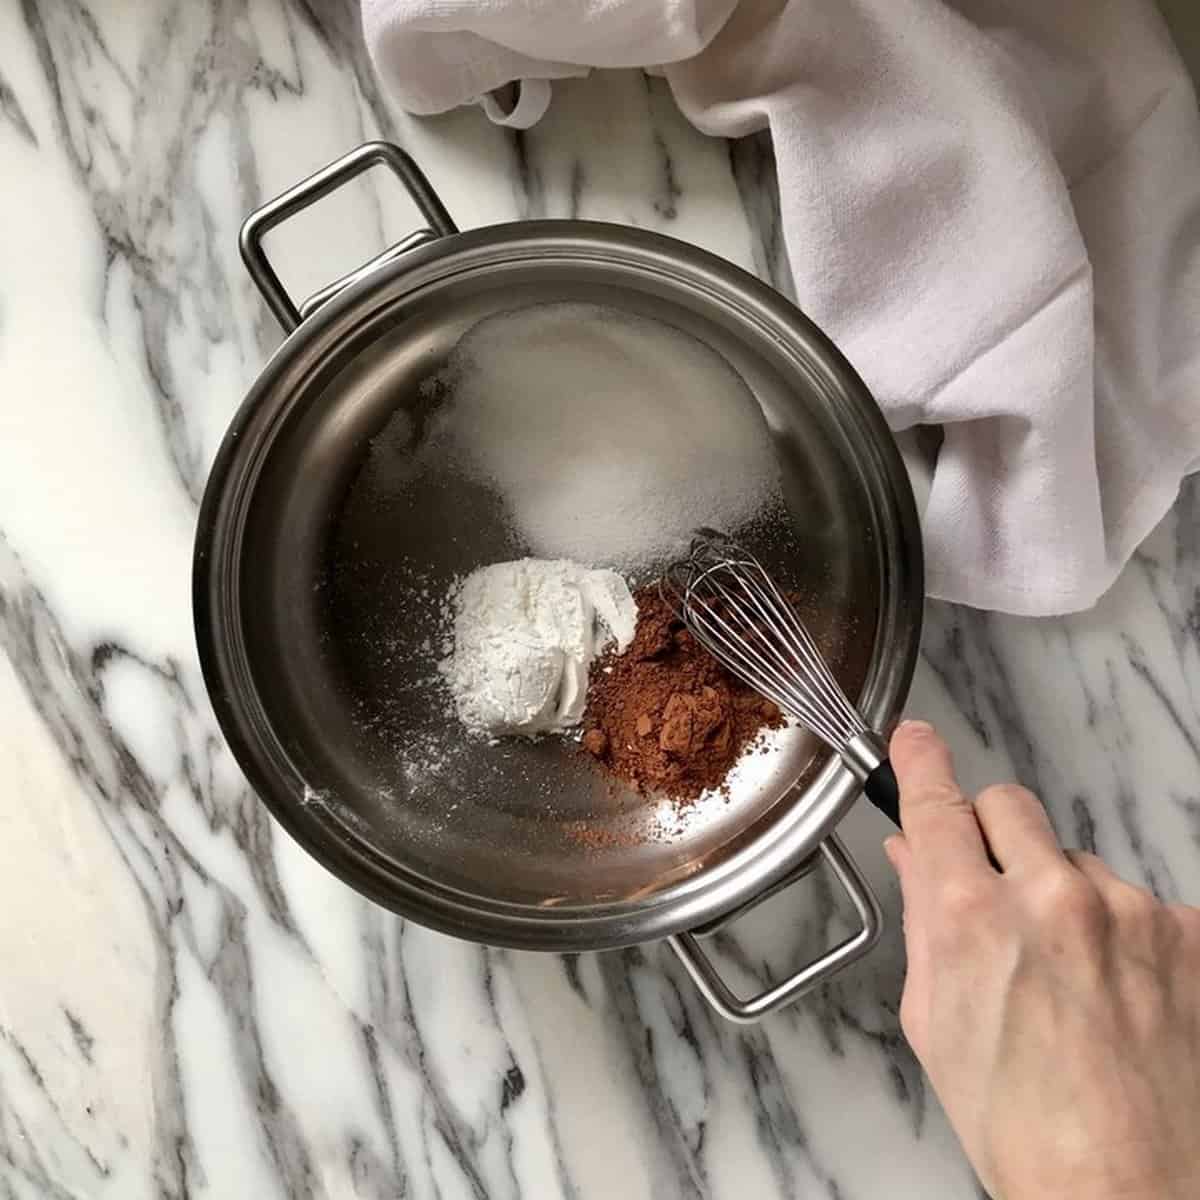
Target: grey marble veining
[188,1005]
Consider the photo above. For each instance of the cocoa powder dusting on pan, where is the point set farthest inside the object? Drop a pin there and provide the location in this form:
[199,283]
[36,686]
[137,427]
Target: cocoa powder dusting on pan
[665,716]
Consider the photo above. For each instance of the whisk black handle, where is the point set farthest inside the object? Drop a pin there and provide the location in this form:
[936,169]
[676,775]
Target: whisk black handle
[883,791]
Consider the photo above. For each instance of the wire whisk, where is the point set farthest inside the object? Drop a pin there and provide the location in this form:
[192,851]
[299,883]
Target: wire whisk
[733,607]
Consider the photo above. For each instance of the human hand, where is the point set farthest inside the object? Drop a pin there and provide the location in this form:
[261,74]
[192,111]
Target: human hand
[1055,1008]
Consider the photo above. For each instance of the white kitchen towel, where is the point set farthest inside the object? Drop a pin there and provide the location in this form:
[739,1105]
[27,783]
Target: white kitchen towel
[992,206]
[438,54]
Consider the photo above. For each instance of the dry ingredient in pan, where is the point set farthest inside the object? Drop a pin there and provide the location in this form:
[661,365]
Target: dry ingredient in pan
[525,634]
[604,433]
[665,716]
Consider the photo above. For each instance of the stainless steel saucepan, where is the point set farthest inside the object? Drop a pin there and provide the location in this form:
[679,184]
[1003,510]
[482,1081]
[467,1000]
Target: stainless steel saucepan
[315,641]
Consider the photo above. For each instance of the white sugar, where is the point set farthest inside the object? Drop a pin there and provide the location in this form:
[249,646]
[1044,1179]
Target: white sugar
[609,438]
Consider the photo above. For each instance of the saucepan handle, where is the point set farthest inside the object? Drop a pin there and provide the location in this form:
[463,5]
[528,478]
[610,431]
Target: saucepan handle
[307,192]
[746,1011]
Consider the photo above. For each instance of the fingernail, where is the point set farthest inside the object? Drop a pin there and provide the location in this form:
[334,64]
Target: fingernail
[890,846]
[914,727]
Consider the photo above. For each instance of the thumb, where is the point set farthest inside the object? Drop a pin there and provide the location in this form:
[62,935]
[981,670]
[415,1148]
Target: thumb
[899,854]
[914,1006]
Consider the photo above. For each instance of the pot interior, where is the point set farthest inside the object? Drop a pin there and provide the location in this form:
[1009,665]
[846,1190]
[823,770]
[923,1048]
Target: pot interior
[351,534]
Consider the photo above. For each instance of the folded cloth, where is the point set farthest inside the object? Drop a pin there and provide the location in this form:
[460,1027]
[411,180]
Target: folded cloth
[438,54]
[991,206]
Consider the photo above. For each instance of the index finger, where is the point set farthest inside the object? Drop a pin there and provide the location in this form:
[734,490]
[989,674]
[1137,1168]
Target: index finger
[938,821]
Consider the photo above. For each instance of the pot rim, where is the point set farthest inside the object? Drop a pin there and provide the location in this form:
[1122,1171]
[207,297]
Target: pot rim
[715,889]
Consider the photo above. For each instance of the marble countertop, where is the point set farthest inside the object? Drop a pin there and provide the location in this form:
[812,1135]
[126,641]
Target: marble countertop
[188,1005]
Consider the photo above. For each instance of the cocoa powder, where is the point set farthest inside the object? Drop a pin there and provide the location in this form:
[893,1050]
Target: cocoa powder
[665,716]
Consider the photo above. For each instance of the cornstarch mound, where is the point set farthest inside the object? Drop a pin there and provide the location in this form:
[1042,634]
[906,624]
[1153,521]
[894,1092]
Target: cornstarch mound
[525,635]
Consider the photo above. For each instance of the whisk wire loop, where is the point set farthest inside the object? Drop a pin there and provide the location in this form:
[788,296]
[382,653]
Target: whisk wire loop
[746,655]
[735,609]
